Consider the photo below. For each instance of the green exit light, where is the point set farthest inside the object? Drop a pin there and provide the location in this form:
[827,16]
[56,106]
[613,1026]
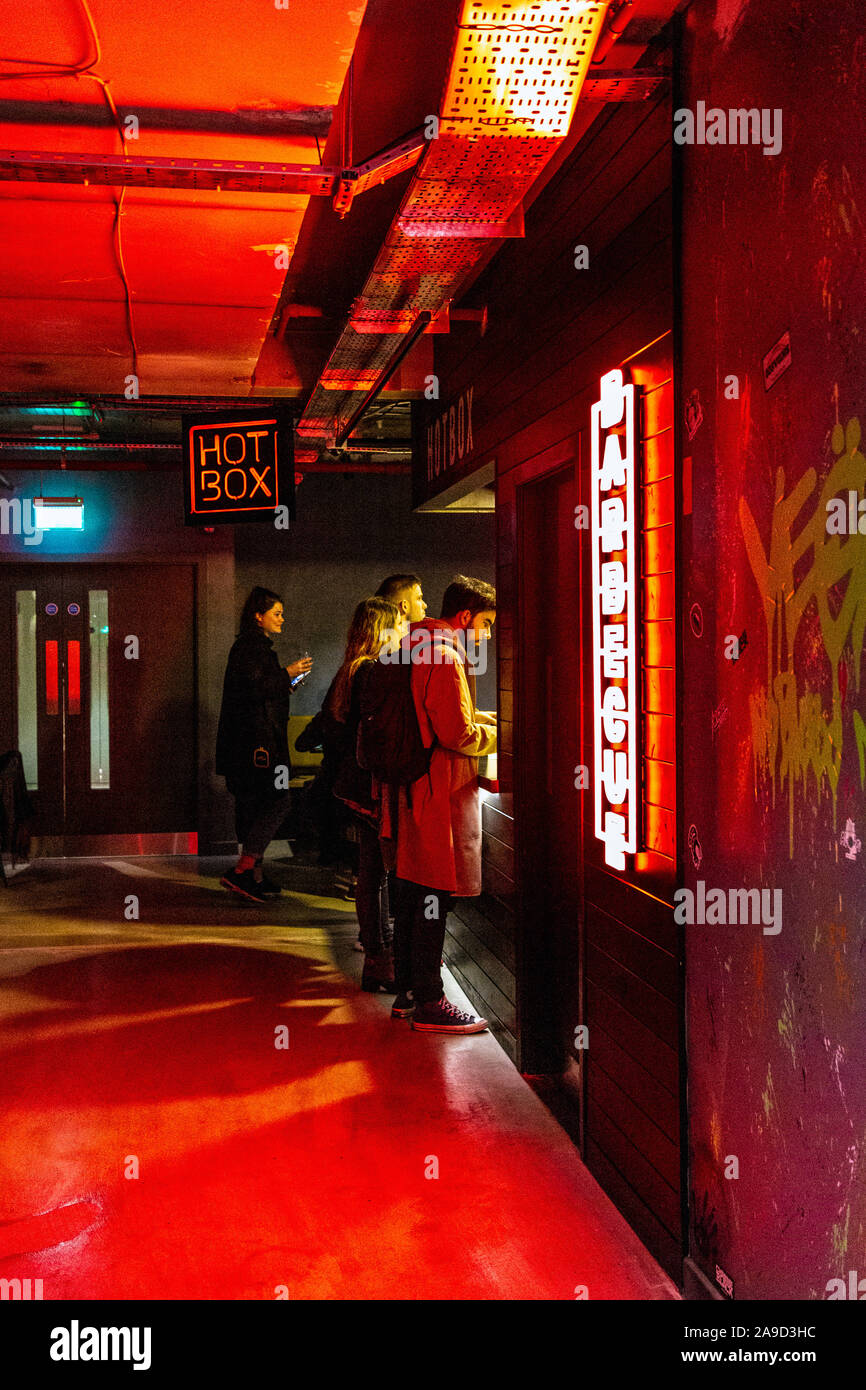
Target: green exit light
[78,408]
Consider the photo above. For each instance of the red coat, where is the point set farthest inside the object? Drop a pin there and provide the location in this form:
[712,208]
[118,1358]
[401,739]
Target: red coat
[439,830]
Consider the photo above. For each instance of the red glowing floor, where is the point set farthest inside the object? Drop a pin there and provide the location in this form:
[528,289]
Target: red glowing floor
[148,1046]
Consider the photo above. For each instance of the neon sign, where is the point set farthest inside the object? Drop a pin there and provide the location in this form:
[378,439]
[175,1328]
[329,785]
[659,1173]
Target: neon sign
[237,466]
[615,632]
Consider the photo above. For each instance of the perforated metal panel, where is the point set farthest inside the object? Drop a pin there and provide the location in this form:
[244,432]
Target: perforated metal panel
[515,76]
[518,67]
[347,379]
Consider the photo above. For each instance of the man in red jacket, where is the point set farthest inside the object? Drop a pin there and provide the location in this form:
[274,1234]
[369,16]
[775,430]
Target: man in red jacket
[439,820]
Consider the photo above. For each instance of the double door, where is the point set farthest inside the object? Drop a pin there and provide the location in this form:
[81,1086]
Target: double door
[97,692]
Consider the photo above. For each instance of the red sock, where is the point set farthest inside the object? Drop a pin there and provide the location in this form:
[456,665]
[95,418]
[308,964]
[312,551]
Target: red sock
[245,863]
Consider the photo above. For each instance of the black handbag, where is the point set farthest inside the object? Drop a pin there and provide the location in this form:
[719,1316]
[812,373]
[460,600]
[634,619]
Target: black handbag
[354,787]
[353,784]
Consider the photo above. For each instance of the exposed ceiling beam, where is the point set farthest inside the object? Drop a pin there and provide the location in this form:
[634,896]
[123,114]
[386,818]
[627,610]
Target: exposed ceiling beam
[314,121]
[229,175]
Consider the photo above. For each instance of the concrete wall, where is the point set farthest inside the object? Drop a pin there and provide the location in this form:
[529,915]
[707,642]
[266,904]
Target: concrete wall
[774,739]
[351,532]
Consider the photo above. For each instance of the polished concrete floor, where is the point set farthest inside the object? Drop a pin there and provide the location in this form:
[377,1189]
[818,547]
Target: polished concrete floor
[160,1142]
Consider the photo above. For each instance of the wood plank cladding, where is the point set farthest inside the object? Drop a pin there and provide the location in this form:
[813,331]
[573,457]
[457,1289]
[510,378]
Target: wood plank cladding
[553,330]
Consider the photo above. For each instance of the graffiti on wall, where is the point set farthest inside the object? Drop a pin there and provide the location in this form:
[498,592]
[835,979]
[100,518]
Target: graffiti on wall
[813,590]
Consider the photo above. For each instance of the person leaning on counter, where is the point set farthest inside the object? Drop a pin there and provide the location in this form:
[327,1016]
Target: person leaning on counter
[439,815]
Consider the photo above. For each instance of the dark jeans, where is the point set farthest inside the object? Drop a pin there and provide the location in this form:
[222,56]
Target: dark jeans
[371,891]
[419,936]
[258,819]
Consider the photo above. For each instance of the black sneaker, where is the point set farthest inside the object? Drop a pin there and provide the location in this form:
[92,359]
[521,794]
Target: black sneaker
[443,1017]
[403,1006]
[268,887]
[244,885]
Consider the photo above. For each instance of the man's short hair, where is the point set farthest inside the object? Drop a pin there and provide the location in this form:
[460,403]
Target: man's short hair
[395,585]
[462,593]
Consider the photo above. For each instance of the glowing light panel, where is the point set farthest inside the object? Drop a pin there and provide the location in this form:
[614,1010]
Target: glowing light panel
[58,513]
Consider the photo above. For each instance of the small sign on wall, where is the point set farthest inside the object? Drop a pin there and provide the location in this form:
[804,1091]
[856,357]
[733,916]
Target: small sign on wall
[238,466]
[777,361]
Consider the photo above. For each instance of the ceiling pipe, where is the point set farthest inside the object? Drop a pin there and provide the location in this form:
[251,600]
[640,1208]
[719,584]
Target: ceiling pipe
[75,447]
[387,371]
[129,457]
[617,22]
[146,405]
[354,466]
[311,121]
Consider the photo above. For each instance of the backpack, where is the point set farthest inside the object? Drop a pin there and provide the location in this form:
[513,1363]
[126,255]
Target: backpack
[389,744]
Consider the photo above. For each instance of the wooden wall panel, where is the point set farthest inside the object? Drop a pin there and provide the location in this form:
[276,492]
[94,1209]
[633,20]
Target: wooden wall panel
[553,330]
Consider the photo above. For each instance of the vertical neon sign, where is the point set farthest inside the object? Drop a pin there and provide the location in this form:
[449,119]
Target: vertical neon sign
[615,631]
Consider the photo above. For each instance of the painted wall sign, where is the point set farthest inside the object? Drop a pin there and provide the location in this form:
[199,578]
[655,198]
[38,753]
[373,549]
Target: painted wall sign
[777,361]
[238,466]
[615,618]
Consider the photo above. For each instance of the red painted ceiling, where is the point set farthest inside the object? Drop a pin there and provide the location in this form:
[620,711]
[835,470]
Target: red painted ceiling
[200,266]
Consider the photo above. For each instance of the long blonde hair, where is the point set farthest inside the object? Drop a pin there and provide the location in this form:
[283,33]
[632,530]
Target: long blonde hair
[372,619]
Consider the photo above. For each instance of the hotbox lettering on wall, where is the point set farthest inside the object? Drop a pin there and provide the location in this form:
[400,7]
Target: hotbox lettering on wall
[449,438]
[616,656]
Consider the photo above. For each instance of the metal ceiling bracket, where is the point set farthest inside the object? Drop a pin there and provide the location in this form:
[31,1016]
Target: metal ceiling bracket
[631,84]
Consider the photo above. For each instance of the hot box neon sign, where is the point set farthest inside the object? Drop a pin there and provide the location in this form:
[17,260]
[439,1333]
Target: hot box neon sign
[238,466]
[615,625]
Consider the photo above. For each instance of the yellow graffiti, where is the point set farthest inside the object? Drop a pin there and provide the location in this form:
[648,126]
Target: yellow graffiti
[793,734]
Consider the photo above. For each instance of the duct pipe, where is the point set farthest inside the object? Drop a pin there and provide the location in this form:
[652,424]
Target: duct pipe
[387,371]
[614,28]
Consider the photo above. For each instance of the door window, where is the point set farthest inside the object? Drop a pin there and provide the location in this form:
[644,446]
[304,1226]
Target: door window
[28,743]
[99,741]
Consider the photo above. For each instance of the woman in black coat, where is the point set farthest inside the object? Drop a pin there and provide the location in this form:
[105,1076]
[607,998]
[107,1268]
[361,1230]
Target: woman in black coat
[252,740]
[376,624]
